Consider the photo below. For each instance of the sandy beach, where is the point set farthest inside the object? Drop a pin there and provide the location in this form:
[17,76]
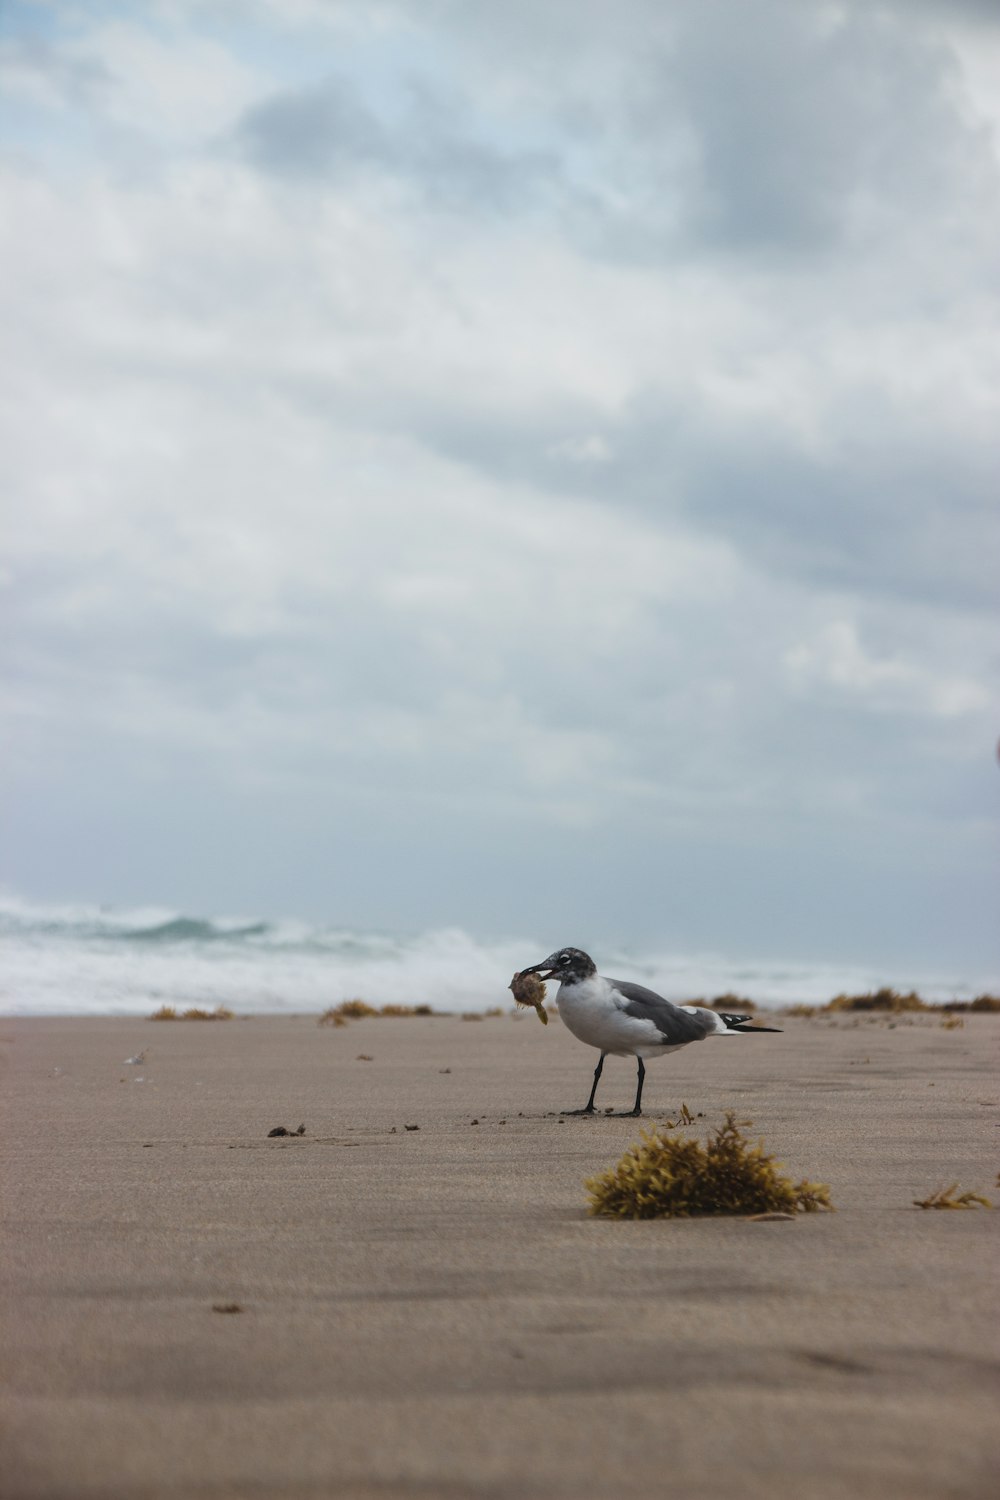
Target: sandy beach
[430,1312]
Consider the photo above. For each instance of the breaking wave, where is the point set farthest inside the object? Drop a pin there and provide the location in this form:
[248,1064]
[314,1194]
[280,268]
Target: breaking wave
[95,960]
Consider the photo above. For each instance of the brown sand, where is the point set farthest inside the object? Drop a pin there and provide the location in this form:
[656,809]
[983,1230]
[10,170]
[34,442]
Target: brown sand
[430,1313]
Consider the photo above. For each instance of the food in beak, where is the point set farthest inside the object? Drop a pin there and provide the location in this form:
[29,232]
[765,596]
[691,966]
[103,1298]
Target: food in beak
[528,989]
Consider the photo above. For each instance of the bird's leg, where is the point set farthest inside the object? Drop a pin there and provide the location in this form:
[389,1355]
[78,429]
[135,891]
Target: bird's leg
[588,1108]
[637,1107]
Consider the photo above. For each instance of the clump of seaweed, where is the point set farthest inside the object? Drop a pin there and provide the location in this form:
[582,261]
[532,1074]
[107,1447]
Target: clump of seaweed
[332,1017]
[194,1013]
[950,1197]
[985,1004]
[665,1176]
[358,1010]
[883,999]
[355,1010]
[731,1002]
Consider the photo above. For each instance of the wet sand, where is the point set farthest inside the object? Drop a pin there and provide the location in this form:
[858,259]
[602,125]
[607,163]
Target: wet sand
[430,1312]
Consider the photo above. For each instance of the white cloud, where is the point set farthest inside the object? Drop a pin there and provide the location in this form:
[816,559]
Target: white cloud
[592,449]
[837,658]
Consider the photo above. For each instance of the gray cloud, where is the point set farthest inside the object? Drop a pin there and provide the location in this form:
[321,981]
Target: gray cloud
[436,145]
[805,125]
[898,499]
[319,130]
[781,132]
[47,74]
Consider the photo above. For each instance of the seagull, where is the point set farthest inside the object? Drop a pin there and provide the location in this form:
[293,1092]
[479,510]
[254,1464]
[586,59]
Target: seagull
[627,1020]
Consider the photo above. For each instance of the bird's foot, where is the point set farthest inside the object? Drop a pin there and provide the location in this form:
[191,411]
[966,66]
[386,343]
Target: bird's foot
[588,1110]
[627,1114]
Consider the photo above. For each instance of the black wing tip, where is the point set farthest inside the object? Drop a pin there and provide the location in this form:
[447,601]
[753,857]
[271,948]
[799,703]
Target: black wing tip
[745,1023]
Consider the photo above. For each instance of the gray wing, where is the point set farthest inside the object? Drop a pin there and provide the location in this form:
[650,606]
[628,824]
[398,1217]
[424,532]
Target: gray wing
[676,1025]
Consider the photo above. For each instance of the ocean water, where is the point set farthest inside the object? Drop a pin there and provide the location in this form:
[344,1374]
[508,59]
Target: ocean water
[89,960]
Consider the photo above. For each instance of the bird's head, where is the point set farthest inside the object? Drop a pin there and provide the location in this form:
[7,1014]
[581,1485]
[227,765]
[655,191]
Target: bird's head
[566,964]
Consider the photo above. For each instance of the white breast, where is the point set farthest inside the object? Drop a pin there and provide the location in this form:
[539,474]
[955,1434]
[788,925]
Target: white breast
[589,1011]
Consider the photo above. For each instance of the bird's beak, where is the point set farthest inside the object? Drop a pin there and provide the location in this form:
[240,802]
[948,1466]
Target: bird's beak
[548,965]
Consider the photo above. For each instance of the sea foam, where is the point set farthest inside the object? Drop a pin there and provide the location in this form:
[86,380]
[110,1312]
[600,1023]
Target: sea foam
[76,959]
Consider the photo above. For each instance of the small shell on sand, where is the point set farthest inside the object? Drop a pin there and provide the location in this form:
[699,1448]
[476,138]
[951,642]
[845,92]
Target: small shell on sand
[528,989]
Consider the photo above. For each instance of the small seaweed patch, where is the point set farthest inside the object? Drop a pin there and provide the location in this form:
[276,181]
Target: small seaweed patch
[359,1010]
[950,1197]
[883,999]
[665,1176]
[194,1013]
[731,1002]
[355,1010]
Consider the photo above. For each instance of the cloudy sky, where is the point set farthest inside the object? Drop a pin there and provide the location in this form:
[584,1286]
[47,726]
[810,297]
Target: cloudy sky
[530,467]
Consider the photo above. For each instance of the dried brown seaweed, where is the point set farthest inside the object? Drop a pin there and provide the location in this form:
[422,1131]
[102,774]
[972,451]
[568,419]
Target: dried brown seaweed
[950,1197]
[666,1176]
